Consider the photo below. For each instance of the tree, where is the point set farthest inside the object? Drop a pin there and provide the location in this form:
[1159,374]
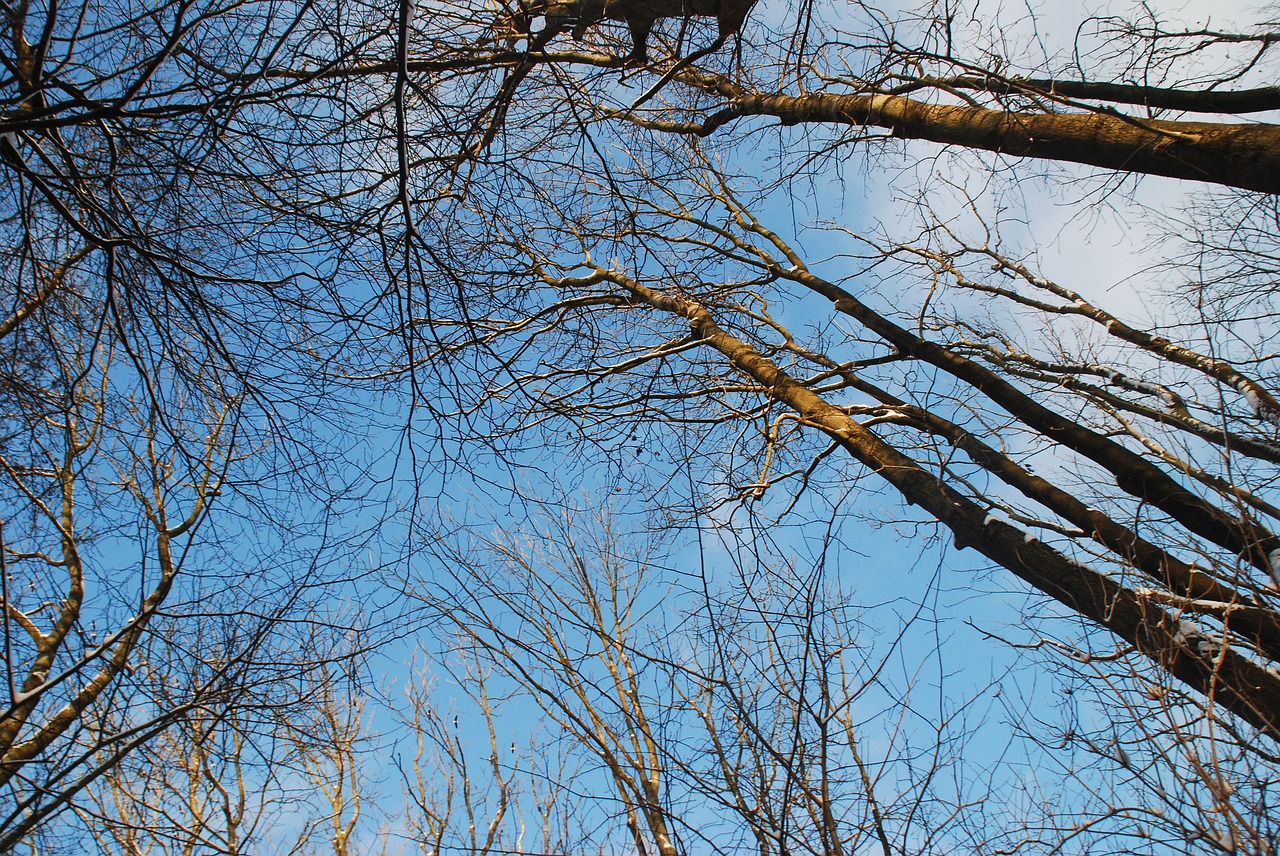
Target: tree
[712,711]
[162,565]
[684,246]
[527,247]
[744,705]
[494,794]
[280,775]
[649,306]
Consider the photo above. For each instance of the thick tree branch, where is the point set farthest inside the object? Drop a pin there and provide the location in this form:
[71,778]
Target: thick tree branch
[1244,155]
[1197,659]
[1240,101]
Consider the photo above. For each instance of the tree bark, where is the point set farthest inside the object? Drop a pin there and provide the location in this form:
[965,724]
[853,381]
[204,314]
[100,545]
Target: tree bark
[1237,155]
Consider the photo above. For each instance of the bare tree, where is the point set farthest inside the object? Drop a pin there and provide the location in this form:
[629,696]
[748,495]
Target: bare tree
[203,785]
[709,710]
[151,416]
[1150,601]
[282,767]
[278,228]
[477,781]
[67,641]
[328,744]
[653,315]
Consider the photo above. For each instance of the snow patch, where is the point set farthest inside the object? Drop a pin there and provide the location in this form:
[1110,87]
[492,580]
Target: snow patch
[1251,397]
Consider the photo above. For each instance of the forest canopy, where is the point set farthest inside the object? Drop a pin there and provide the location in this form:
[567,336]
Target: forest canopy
[638,426]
